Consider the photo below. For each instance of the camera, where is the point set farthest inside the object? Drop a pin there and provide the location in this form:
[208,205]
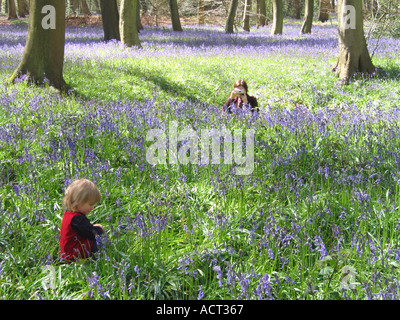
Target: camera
[239,91]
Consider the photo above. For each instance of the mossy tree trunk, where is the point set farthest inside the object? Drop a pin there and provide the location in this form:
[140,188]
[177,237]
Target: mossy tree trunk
[231,16]
[353,52]
[110,17]
[128,24]
[43,57]
[277,22]
[176,23]
[308,17]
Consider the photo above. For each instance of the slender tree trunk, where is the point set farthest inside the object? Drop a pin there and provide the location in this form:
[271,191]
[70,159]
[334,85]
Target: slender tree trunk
[277,23]
[374,7]
[25,7]
[12,10]
[84,8]
[353,52]
[74,6]
[128,24]
[43,57]
[201,12]
[246,15]
[323,13]
[176,23]
[261,13]
[231,16]
[21,12]
[296,8]
[308,17]
[110,17]
[139,25]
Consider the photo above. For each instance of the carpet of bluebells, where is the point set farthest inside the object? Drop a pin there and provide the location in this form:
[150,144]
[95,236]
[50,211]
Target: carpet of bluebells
[317,219]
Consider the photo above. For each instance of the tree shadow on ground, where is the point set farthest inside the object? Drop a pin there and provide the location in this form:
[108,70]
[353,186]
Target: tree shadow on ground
[154,81]
[390,72]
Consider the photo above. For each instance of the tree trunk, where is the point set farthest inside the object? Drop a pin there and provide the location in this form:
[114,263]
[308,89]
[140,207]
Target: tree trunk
[308,17]
[353,52]
[201,12]
[25,7]
[374,7]
[43,57]
[139,25]
[231,16]
[296,9]
[128,24]
[261,13]
[21,12]
[176,23]
[84,8]
[110,17]
[74,6]
[246,15]
[323,12]
[12,10]
[277,23]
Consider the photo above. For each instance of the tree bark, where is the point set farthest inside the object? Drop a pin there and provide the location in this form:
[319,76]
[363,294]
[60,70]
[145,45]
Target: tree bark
[128,24]
[12,10]
[84,8]
[308,17]
[176,23]
[74,6]
[139,25]
[261,13]
[201,12]
[21,12]
[374,7]
[231,16]
[110,17]
[353,52]
[25,7]
[246,15]
[277,22]
[296,9]
[43,57]
[323,12]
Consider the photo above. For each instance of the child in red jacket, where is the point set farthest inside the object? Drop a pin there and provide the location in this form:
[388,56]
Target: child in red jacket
[77,239]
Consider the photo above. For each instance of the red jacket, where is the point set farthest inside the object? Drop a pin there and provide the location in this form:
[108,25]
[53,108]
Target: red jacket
[73,246]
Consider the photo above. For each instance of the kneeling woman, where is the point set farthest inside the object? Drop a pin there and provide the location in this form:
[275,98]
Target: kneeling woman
[239,99]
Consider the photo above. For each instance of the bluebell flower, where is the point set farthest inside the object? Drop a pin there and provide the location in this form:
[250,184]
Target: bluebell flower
[201,293]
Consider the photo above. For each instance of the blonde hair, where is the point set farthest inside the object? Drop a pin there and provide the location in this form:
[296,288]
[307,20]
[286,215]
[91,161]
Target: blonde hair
[79,191]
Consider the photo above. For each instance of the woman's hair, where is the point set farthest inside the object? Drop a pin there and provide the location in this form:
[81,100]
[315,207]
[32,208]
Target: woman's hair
[242,83]
[79,191]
